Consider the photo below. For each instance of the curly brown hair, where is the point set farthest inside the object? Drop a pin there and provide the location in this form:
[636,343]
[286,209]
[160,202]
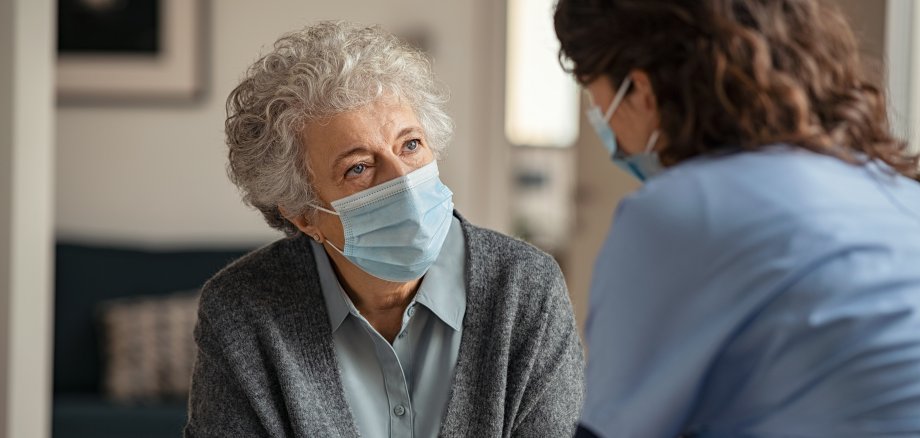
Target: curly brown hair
[738,73]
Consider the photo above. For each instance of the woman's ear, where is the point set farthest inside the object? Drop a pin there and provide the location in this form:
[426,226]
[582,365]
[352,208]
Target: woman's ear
[300,221]
[644,91]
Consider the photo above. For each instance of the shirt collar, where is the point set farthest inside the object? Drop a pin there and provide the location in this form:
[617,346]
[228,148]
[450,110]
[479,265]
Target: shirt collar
[443,289]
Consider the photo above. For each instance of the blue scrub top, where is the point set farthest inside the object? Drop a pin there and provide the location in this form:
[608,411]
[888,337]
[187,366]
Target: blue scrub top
[772,293]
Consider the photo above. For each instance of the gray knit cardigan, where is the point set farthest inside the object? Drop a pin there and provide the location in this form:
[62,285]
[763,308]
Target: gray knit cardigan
[267,366]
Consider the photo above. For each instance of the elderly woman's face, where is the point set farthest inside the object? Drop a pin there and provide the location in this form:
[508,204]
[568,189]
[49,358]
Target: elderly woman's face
[360,149]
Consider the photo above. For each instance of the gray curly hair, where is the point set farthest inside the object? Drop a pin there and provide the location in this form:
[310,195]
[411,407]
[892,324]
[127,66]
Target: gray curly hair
[311,75]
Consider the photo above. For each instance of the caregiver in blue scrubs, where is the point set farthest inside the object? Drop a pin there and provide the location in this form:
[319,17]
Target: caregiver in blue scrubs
[765,280]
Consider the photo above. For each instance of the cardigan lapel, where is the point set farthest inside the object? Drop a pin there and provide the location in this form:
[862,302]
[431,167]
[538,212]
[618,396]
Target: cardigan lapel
[467,392]
[305,309]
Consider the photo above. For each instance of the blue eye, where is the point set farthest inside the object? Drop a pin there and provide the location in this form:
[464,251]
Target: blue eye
[412,145]
[357,169]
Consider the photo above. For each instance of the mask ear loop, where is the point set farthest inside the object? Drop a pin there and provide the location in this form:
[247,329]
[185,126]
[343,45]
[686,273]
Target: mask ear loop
[618,98]
[326,241]
[324,210]
[334,247]
[652,140]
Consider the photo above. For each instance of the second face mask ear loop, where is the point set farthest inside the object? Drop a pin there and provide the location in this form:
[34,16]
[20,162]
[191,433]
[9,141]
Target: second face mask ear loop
[323,209]
[652,140]
[316,236]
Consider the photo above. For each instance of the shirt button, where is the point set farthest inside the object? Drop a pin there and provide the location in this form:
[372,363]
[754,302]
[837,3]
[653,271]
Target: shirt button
[399,411]
[402,335]
[412,311]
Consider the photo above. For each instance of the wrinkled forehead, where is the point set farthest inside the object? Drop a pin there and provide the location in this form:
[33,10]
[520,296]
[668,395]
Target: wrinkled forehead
[372,126]
[377,117]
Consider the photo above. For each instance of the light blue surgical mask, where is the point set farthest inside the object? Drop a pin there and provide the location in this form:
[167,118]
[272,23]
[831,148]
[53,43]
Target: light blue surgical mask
[643,166]
[395,230]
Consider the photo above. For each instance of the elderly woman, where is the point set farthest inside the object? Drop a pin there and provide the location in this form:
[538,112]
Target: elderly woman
[383,313]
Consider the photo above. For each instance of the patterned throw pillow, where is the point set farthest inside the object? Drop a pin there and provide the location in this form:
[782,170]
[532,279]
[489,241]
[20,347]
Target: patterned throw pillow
[148,346]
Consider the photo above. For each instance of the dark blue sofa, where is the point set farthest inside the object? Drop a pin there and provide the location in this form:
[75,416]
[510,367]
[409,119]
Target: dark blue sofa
[86,275]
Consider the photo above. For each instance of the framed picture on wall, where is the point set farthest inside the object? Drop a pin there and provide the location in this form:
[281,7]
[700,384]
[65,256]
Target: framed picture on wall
[129,50]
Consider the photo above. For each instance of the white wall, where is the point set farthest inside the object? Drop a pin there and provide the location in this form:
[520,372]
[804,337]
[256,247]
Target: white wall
[26,180]
[902,48]
[155,174]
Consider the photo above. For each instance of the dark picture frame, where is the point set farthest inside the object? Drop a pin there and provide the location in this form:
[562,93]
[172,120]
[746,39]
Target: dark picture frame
[129,50]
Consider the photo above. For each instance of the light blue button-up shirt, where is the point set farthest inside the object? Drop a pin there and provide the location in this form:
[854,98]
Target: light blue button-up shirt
[401,390]
[760,294]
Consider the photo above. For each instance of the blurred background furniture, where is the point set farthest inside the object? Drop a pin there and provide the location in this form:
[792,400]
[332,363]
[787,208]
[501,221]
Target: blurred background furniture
[85,277]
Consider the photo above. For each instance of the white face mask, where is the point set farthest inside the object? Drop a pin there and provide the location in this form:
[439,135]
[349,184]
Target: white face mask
[643,166]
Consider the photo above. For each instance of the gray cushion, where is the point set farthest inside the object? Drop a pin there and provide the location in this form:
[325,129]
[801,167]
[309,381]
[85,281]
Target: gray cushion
[148,346]
[87,275]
